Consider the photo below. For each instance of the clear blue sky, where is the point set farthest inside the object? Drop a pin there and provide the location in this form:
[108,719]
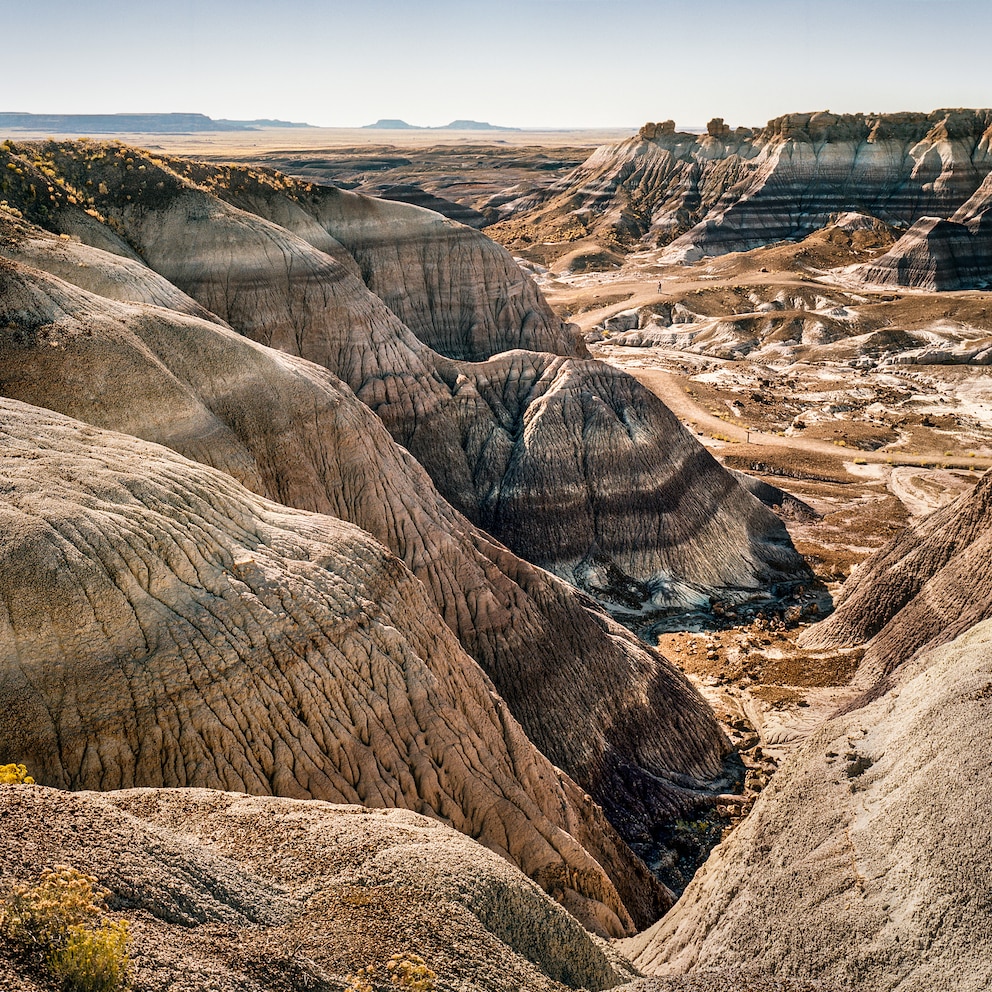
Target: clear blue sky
[528,63]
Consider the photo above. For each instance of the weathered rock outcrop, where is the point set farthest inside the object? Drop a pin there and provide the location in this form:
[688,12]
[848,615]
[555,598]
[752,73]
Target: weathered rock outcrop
[864,860]
[925,587]
[104,273]
[290,431]
[939,254]
[733,190]
[274,895]
[163,626]
[460,293]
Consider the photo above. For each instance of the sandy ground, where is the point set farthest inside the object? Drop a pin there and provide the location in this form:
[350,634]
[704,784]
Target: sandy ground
[314,139]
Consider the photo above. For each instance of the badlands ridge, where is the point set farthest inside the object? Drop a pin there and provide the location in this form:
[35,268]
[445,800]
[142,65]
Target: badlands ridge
[311,499]
[734,190]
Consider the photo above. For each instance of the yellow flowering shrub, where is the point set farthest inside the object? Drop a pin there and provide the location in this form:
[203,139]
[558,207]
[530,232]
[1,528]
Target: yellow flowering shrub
[54,921]
[15,775]
[93,960]
[41,915]
[361,980]
[410,971]
[405,971]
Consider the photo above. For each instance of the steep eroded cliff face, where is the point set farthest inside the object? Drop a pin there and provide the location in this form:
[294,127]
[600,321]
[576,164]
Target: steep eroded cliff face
[941,255]
[735,190]
[164,626]
[291,431]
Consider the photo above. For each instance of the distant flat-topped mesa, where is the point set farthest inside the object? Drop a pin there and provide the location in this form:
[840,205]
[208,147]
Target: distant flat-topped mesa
[129,123]
[468,125]
[733,189]
[395,124]
[392,124]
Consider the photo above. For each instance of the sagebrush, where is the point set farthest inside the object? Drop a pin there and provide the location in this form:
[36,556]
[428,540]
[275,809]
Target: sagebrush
[56,923]
[405,971]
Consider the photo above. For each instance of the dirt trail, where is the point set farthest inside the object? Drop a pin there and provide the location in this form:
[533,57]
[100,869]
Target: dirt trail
[671,390]
[644,292]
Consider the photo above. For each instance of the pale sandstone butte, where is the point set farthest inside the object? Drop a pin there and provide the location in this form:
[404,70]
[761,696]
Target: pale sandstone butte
[599,703]
[736,190]
[864,860]
[276,895]
[162,625]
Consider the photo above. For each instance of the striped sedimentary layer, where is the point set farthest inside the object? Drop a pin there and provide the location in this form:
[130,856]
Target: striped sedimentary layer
[938,254]
[733,190]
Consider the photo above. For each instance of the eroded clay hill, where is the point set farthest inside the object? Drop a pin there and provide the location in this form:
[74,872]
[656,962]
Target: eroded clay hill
[489,433]
[254,894]
[737,189]
[291,431]
[162,625]
[862,861]
[216,312]
[924,588]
